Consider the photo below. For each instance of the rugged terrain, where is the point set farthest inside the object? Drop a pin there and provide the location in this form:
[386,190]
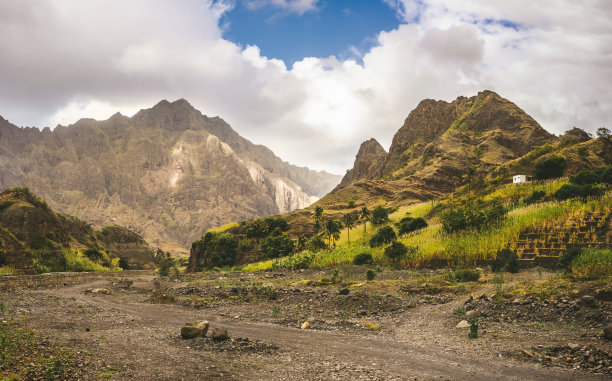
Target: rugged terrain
[168,172]
[402,325]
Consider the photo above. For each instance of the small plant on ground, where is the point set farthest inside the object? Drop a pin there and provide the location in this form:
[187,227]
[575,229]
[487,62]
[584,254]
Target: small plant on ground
[506,260]
[466,275]
[459,313]
[370,274]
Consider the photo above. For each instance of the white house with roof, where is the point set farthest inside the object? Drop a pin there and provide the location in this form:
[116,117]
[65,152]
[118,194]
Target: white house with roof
[517,179]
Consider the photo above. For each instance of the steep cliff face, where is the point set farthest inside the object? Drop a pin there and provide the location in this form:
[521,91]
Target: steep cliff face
[369,163]
[169,173]
[440,141]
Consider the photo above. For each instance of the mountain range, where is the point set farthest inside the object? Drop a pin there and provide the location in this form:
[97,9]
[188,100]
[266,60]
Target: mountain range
[169,173]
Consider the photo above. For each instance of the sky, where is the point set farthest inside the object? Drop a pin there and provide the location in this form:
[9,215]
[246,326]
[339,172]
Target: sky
[310,79]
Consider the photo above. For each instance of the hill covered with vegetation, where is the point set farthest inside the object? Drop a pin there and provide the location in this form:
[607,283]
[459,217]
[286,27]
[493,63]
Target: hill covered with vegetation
[36,239]
[443,195]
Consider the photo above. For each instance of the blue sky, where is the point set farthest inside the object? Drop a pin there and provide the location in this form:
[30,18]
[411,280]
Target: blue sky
[334,27]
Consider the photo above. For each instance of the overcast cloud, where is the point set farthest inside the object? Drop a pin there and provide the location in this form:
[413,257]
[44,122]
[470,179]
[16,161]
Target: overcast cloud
[66,59]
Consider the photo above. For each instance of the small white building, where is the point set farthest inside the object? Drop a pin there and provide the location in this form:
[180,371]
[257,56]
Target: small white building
[516,179]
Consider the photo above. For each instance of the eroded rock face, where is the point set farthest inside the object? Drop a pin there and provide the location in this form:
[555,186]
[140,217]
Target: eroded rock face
[169,173]
[369,163]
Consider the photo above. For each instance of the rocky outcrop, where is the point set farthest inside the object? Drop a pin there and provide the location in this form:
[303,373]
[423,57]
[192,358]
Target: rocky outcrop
[368,165]
[440,141]
[169,173]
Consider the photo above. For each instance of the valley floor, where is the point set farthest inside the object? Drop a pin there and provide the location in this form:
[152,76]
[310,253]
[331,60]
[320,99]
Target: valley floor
[400,326]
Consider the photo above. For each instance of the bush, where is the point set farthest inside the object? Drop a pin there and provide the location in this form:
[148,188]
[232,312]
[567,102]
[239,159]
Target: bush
[408,226]
[396,251]
[506,260]
[583,151]
[351,203]
[550,168]
[474,215]
[566,259]
[466,275]
[585,177]
[605,174]
[577,191]
[124,264]
[370,274]
[277,246]
[362,259]
[316,244]
[164,266]
[216,250]
[296,262]
[384,235]
[534,197]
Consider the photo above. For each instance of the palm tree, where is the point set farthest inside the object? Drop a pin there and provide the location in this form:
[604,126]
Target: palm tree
[332,230]
[349,223]
[318,215]
[365,214]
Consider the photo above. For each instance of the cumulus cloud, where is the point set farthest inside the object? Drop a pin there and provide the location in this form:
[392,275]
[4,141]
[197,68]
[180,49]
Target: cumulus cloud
[66,59]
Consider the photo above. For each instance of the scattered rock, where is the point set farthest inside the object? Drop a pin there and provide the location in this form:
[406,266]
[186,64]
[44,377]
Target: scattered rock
[589,301]
[103,291]
[574,347]
[219,334]
[305,325]
[608,331]
[193,330]
[471,314]
[344,291]
[463,324]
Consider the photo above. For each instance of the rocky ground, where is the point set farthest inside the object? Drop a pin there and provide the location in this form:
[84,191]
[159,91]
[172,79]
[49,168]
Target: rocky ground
[402,325]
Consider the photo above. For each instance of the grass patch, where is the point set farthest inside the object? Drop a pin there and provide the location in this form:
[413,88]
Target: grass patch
[593,263]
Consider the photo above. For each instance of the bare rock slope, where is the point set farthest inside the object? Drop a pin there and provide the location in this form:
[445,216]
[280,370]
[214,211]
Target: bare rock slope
[168,172]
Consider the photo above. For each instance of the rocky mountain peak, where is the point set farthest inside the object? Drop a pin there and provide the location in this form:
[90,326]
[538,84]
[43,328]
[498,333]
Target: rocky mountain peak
[369,163]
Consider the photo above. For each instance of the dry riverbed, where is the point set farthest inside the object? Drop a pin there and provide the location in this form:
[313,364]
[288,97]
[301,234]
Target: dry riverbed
[402,325]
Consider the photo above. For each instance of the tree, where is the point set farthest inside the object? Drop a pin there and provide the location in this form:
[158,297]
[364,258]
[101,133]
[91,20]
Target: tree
[380,215]
[332,230]
[318,216]
[349,223]
[550,168]
[603,133]
[365,214]
[276,247]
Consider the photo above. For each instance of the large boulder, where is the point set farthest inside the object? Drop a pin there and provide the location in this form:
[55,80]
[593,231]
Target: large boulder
[195,329]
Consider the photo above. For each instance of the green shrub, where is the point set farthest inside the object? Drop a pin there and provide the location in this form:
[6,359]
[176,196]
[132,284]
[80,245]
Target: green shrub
[296,262]
[550,168]
[124,264]
[216,250]
[585,177]
[583,151]
[408,226]
[351,203]
[506,260]
[316,244]
[277,246]
[384,235]
[362,259]
[534,197]
[396,251]
[466,275]
[577,191]
[370,274]
[566,259]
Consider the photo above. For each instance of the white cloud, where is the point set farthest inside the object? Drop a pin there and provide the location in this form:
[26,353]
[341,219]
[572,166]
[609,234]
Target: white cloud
[292,6]
[67,59]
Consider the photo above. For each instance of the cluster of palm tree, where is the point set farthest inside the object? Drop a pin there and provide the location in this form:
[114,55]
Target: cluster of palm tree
[333,227]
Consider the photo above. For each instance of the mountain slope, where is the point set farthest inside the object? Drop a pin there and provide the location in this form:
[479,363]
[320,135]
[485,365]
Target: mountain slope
[440,141]
[31,231]
[168,172]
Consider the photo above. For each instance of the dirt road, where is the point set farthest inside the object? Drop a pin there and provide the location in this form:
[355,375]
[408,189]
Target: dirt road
[134,339]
